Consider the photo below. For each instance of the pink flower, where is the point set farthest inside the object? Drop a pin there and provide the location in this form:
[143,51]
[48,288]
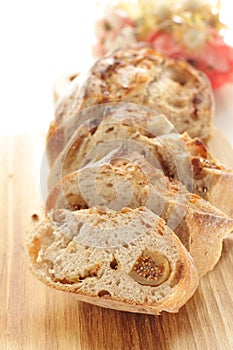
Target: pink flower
[165,43]
[215,59]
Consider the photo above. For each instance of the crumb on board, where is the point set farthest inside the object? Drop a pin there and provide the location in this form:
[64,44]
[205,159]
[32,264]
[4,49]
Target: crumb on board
[35,217]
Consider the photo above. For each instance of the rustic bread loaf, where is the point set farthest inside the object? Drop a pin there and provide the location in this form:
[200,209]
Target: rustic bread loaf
[144,77]
[128,260]
[181,157]
[126,179]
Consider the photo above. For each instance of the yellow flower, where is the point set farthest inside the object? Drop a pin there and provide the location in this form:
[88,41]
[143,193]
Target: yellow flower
[194,5]
[194,39]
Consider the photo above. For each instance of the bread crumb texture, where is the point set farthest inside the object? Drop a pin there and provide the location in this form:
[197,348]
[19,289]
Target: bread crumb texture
[130,256]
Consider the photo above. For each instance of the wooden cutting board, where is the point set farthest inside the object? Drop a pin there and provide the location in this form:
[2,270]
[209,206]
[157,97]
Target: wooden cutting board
[33,316]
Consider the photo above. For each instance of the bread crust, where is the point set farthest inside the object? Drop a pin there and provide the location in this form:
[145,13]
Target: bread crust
[144,77]
[212,181]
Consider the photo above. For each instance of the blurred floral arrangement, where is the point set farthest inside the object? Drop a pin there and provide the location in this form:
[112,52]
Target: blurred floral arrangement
[182,29]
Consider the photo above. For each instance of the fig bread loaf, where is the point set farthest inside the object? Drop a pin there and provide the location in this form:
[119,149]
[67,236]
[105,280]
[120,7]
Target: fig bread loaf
[125,260]
[125,178]
[123,228]
[142,76]
[179,156]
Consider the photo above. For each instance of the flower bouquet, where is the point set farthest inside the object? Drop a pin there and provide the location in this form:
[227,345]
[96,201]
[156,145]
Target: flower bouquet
[185,29]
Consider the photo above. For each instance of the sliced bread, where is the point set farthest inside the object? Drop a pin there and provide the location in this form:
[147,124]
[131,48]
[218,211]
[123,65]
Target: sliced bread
[181,157]
[126,179]
[134,126]
[128,260]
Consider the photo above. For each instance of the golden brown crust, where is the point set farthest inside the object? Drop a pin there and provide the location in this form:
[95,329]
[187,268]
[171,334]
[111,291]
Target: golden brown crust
[142,68]
[54,142]
[212,181]
[144,77]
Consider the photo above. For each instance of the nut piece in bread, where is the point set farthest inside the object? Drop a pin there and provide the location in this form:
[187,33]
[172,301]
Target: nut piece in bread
[128,260]
[144,77]
[127,179]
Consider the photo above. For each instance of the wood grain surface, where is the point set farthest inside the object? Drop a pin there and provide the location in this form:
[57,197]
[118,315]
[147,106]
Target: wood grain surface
[33,316]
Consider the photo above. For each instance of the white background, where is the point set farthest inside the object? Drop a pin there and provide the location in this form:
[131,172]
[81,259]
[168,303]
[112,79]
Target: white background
[39,41]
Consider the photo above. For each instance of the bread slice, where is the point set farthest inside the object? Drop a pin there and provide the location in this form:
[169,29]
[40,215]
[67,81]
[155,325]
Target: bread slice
[126,179]
[211,180]
[120,123]
[128,260]
[144,77]
[181,157]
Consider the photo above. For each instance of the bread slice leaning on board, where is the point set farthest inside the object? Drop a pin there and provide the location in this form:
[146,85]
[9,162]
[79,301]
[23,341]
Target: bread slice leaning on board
[151,134]
[125,178]
[141,76]
[126,260]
